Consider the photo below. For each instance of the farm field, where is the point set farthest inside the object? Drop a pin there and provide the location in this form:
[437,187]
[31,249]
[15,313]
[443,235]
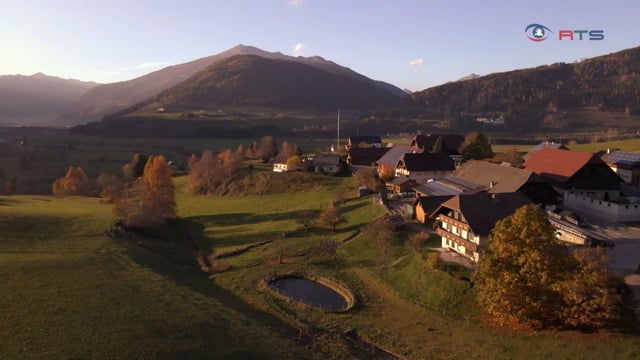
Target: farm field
[70,291]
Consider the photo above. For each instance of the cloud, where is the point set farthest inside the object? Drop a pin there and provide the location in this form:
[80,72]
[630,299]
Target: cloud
[298,50]
[151,65]
[295,2]
[117,71]
[416,62]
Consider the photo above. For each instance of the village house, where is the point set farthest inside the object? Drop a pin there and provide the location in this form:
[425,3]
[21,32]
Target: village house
[505,179]
[328,163]
[363,141]
[587,184]
[424,166]
[464,222]
[427,205]
[451,144]
[401,184]
[389,161]
[365,156]
[625,164]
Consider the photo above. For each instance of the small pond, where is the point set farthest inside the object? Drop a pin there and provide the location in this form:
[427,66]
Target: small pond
[310,293]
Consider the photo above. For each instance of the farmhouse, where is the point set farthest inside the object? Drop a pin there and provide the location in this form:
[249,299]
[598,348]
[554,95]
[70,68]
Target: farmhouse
[365,156]
[401,184]
[427,205]
[447,185]
[504,179]
[424,166]
[625,164]
[465,221]
[389,161]
[328,163]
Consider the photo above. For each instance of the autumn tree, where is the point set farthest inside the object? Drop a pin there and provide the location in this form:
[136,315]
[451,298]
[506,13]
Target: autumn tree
[476,146]
[380,234]
[368,178]
[74,182]
[268,148]
[135,168]
[109,187]
[525,274]
[590,297]
[209,173]
[147,202]
[294,162]
[288,150]
[518,271]
[332,217]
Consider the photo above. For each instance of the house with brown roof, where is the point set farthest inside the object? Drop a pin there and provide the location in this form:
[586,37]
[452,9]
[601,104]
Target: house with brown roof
[328,163]
[464,222]
[365,156]
[505,179]
[573,170]
[424,166]
[426,205]
[389,161]
[587,184]
[401,184]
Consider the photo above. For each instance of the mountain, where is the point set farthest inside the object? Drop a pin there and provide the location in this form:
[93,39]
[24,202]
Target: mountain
[109,98]
[37,99]
[559,96]
[469,77]
[278,83]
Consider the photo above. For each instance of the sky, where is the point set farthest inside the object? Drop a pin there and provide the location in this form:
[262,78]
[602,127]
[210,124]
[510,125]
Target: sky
[411,44]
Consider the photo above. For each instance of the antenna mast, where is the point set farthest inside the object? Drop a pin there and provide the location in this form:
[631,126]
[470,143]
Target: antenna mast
[338,135]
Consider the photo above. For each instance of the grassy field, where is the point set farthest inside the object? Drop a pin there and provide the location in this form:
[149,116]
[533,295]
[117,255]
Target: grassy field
[69,291]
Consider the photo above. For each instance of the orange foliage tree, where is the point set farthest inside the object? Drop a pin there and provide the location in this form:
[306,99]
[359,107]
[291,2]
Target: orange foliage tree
[75,182]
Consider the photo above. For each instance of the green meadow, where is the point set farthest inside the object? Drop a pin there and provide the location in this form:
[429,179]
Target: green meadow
[70,291]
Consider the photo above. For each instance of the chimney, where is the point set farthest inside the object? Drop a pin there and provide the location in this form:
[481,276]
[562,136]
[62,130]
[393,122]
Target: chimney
[495,198]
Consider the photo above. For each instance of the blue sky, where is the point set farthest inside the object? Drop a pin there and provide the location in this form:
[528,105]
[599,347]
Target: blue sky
[412,44]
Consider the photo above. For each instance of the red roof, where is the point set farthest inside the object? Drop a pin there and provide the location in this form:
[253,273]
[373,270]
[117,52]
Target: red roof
[559,165]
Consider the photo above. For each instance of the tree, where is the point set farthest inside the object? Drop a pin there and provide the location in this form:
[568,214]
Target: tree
[294,162]
[525,274]
[439,146]
[147,202]
[517,273]
[415,240]
[367,178]
[74,182]
[332,217]
[305,218]
[268,148]
[381,235]
[476,146]
[590,296]
[135,167]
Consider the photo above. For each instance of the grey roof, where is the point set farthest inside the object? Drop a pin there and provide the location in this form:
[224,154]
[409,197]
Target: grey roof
[542,145]
[323,159]
[504,178]
[482,210]
[622,159]
[394,154]
[448,185]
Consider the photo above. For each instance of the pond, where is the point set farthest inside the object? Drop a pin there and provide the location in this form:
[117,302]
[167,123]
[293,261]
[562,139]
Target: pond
[310,293]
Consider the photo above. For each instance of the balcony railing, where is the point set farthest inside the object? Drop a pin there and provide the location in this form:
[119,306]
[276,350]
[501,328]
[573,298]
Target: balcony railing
[457,239]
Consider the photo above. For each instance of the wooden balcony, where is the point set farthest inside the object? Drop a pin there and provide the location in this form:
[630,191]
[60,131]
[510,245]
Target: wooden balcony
[457,239]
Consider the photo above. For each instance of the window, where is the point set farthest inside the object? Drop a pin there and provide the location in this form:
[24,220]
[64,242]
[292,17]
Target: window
[465,234]
[445,225]
[455,230]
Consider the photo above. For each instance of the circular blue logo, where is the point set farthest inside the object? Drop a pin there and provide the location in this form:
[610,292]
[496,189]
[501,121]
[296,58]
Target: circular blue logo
[537,32]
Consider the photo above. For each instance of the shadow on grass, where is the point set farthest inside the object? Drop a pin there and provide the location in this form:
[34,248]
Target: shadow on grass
[7,202]
[185,272]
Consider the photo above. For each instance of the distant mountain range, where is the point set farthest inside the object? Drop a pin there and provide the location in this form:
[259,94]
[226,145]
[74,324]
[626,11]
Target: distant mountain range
[37,99]
[251,76]
[555,96]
